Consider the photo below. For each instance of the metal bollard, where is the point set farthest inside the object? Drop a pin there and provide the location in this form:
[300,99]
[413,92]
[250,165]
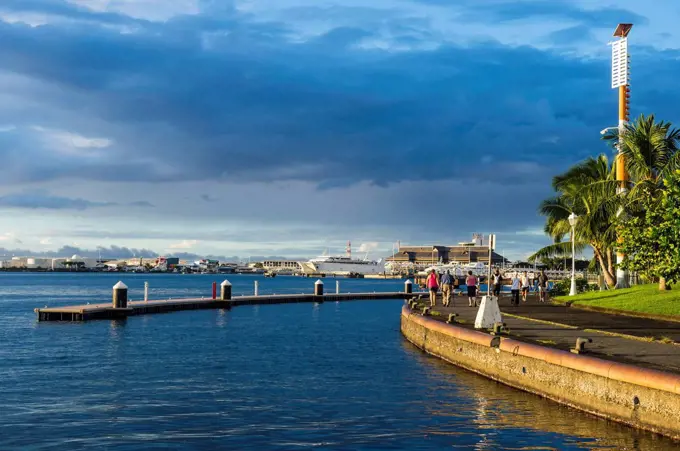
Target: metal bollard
[120,295]
[225,292]
[581,345]
[318,288]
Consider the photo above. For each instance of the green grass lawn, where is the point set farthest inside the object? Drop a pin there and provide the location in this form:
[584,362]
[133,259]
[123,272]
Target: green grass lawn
[641,298]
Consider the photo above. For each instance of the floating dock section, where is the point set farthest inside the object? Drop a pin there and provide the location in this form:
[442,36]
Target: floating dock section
[120,307]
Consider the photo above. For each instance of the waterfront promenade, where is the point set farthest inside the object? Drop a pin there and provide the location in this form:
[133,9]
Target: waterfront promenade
[644,342]
[628,370]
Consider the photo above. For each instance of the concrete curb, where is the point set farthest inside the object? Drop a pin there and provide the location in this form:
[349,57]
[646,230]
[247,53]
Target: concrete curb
[672,319]
[639,397]
[659,380]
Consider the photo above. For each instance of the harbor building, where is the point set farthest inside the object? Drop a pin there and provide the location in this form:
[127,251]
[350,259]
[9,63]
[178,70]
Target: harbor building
[474,251]
[49,263]
[273,265]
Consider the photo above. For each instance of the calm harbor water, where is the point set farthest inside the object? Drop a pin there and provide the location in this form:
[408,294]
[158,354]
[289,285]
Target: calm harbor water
[282,377]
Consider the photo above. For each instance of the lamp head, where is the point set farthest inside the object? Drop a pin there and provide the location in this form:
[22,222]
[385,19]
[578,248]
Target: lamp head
[604,131]
[572,219]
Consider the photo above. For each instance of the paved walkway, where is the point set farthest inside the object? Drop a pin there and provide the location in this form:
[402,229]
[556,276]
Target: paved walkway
[620,338]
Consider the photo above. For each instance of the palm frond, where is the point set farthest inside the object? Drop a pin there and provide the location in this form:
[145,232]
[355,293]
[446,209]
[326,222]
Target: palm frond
[558,250]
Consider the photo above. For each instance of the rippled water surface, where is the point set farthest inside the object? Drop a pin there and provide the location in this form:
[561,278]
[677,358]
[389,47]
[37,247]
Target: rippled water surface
[281,377]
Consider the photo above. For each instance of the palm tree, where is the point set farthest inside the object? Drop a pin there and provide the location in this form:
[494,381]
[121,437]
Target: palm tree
[586,190]
[651,153]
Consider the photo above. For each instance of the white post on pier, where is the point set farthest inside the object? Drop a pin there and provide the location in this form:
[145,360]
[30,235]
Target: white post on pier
[146,291]
[337,287]
[120,295]
[225,290]
[257,286]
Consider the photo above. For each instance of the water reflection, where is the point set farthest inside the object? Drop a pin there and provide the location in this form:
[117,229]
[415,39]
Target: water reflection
[496,406]
[221,318]
[116,329]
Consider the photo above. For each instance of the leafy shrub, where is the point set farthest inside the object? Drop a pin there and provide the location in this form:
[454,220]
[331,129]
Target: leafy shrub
[563,287]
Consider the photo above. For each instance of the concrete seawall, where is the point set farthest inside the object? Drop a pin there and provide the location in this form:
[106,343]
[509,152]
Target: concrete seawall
[639,397]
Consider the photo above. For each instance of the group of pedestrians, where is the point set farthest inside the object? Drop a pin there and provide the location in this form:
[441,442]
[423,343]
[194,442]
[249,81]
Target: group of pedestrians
[448,283]
[519,285]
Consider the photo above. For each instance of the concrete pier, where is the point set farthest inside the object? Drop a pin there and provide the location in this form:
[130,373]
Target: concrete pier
[121,308]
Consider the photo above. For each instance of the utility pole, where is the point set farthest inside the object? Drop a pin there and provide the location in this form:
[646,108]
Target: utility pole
[620,81]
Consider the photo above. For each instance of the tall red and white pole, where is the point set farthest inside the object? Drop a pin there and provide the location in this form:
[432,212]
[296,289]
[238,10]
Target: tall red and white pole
[620,81]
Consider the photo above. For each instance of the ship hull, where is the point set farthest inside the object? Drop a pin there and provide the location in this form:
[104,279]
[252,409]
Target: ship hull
[349,268]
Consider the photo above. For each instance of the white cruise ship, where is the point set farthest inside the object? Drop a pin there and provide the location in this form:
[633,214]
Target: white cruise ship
[344,265]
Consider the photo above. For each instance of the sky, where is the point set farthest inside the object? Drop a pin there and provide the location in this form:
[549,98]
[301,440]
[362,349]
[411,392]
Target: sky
[287,127]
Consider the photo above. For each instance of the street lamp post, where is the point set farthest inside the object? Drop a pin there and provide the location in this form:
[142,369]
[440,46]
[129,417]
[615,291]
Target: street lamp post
[572,222]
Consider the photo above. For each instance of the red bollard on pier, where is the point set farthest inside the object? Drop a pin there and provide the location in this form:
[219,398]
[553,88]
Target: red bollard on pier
[214,290]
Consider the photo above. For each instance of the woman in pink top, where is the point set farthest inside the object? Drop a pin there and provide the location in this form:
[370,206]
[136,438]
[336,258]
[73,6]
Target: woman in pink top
[433,285]
[471,282]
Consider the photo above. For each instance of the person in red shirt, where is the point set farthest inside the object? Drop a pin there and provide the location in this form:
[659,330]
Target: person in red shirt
[433,286]
[471,282]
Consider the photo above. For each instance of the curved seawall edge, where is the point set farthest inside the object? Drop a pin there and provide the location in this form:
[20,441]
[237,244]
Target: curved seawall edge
[632,395]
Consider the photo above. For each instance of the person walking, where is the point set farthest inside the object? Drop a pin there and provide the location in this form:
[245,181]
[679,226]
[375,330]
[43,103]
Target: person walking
[471,283]
[542,286]
[525,286]
[446,283]
[514,289]
[497,283]
[433,286]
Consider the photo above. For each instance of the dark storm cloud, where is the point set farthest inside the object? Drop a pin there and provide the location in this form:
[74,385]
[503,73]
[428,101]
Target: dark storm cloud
[571,35]
[42,199]
[225,98]
[298,114]
[511,10]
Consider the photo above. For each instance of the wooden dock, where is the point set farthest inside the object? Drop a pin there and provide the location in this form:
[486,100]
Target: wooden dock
[134,308]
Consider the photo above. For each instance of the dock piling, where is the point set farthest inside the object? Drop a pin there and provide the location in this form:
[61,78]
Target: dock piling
[214,291]
[337,287]
[120,295]
[318,288]
[146,291]
[225,293]
[408,286]
[257,286]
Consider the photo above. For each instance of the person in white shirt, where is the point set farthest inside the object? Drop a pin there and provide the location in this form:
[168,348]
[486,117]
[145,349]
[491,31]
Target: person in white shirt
[514,289]
[525,286]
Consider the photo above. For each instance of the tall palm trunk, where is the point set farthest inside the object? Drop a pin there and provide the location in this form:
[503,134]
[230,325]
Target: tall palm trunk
[605,268]
[610,261]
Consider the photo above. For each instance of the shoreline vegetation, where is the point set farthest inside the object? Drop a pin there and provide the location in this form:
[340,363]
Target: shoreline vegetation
[637,217]
[640,299]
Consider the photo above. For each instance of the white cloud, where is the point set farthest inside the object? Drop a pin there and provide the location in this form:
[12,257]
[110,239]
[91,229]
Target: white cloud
[10,237]
[30,19]
[535,231]
[184,244]
[7,128]
[369,247]
[70,142]
[46,241]
[154,10]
